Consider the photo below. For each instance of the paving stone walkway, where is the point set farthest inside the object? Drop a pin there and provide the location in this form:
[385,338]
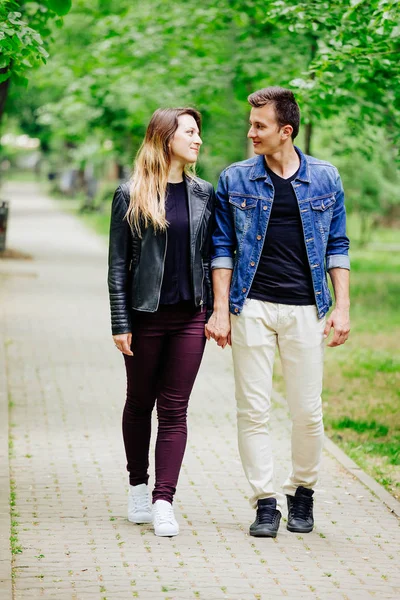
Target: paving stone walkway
[65,388]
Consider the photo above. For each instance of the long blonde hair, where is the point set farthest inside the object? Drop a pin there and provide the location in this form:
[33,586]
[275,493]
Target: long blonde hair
[150,175]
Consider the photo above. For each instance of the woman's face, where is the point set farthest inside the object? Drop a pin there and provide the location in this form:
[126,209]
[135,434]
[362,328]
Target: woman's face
[186,141]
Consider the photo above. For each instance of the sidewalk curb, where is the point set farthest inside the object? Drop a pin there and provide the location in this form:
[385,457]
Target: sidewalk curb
[5,520]
[379,491]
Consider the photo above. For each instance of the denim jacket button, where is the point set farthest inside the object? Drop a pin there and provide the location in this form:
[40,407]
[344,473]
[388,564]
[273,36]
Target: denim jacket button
[243,204]
[236,310]
[244,290]
[252,263]
[259,237]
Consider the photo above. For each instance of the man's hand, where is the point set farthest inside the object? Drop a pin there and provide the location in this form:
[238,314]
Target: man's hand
[339,319]
[219,327]
[123,342]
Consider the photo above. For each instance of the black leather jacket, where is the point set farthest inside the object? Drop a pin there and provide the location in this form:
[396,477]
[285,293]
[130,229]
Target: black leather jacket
[136,265]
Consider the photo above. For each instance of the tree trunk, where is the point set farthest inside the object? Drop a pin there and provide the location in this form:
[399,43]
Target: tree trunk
[365,229]
[307,138]
[4,86]
[309,125]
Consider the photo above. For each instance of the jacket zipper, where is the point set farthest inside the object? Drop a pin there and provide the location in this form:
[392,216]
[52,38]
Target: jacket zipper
[192,257]
[202,285]
[162,274]
[194,250]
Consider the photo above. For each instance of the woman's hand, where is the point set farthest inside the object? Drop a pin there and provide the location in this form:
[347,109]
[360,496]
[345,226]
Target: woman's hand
[219,327]
[123,342]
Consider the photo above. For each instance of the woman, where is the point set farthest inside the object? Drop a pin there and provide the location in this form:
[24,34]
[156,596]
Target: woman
[160,294]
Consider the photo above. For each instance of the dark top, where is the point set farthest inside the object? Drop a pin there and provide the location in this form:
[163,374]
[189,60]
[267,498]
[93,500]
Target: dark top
[176,286]
[283,274]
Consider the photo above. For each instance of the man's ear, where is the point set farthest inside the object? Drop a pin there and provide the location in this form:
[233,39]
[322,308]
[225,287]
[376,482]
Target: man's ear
[286,131]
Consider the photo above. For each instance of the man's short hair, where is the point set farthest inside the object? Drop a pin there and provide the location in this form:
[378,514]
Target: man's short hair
[285,105]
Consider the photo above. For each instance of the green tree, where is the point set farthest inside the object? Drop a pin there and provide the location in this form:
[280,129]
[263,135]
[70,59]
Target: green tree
[354,67]
[110,68]
[23,28]
[110,71]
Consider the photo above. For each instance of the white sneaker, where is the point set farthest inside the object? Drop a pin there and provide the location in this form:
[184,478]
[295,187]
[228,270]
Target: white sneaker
[165,523]
[139,505]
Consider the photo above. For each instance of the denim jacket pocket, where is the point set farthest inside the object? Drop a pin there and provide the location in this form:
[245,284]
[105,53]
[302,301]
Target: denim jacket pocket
[322,203]
[243,209]
[322,211]
[243,202]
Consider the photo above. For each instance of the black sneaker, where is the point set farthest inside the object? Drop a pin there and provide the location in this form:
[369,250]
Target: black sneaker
[267,519]
[300,511]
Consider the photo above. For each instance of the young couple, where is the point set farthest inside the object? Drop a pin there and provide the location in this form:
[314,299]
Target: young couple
[245,266]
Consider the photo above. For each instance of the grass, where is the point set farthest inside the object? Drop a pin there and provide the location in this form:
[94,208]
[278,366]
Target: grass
[362,378]
[378,235]
[21,176]
[100,222]
[15,545]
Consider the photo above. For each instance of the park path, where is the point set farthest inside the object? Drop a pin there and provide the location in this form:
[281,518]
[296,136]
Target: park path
[64,382]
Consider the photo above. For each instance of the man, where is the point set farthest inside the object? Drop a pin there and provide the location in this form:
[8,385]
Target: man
[280,224]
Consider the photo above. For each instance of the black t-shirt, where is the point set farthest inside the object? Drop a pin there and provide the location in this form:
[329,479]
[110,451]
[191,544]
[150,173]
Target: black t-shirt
[283,274]
[176,285]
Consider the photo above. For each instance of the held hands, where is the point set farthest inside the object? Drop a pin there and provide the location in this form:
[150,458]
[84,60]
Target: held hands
[339,319]
[123,342]
[219,328]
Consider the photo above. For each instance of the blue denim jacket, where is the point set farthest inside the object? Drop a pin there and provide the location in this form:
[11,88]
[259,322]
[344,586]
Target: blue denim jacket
[244,200]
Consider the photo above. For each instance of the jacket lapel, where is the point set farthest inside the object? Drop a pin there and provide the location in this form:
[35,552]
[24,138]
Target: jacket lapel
[197,201]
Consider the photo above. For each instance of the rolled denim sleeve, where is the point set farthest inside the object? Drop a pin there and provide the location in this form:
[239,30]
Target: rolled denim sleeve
[224,238]
[337,250]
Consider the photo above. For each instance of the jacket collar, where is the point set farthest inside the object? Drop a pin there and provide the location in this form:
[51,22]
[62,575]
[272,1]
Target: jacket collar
[259,171]
[304,170]
[195,186]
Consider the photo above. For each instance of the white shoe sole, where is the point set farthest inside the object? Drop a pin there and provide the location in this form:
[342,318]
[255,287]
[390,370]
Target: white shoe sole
[167,533]
[141,519]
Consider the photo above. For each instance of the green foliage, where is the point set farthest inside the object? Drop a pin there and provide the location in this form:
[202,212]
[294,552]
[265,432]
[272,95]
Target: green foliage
[21,46]
[354,49]
[60,7]
[113,64]
[103,197]
[367,164]
[23,29]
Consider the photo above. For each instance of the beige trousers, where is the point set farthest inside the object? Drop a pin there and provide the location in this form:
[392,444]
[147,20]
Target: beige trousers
[298,334]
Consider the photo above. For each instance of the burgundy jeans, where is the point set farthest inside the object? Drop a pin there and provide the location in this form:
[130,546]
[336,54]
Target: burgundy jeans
[168,346]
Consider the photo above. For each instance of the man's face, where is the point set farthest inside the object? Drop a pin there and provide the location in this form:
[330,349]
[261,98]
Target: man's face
[264,131]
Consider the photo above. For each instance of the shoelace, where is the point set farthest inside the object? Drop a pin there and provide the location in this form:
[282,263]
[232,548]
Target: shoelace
[141,503]
[165,517]
[266,515]
[301,507]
